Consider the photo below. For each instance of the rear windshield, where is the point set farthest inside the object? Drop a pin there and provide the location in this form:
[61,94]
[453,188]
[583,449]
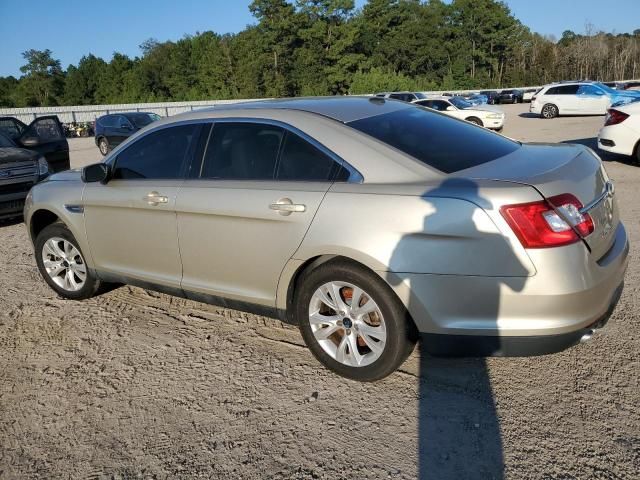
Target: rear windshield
[142,119]
[442,142]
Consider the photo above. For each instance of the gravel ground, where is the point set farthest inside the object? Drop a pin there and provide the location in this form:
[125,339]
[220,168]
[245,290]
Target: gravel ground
[134,384]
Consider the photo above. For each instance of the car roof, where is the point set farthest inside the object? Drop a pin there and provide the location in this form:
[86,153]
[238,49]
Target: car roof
[343,109]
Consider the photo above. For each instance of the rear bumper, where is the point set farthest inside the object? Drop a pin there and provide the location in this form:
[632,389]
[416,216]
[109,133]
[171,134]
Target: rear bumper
[618,139]
[523,346]
[570,294]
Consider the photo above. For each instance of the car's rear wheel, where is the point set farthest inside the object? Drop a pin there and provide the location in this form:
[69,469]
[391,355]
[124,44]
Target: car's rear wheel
[476,121]
[103,146]
[352,322]
[549,111]
[62,265]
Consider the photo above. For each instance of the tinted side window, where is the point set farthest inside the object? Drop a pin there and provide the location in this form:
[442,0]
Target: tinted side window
[242,151]
[440,105]
[121,120]
[302,161]
[159,155]
[439,141]
[567,90]
[589,90]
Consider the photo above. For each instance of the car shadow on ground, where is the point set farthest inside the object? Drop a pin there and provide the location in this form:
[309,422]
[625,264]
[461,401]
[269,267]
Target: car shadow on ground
[458,425]
[592,142]
[529,115]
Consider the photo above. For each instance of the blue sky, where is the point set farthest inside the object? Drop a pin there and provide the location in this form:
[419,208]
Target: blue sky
[73,28]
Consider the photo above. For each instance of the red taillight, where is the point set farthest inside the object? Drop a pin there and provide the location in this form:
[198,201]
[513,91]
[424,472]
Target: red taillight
[550,223]
[615,117]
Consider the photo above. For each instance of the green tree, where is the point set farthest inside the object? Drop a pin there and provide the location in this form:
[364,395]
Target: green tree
[81,82]
[43,80]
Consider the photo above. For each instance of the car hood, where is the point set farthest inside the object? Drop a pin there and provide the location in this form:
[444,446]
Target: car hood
[66,176]
[15,154]
[485,108]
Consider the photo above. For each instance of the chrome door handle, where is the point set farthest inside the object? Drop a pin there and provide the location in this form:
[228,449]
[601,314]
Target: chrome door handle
[154,198]
[285,206]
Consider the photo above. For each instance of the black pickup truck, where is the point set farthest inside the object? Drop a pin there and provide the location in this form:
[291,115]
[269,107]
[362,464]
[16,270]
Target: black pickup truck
[28,154]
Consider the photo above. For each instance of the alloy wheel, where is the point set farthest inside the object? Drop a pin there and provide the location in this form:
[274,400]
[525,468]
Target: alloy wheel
[347,323]
[104,149]
[64,264]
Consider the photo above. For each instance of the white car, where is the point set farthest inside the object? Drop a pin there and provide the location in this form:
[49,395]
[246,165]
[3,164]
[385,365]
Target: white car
[528,94]
[483,115]
[577,98]
[621,130]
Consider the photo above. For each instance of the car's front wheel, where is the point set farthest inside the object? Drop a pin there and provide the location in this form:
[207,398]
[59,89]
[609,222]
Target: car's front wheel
[352,321]
[475,120]
[62,264]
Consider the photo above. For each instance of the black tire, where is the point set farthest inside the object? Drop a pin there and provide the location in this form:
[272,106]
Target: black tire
[637,154]
[475,120]
[104,146]
[401,335]
[549,111]
[59,230]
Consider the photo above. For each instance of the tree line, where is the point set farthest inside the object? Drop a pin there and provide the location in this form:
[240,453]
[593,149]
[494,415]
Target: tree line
[328,47]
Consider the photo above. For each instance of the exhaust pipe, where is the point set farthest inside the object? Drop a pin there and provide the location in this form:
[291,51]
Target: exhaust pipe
[587,336]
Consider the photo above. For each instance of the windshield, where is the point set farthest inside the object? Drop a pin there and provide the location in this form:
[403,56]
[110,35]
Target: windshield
[142,119]
[460,102]
[439,141]
[6,142]
[420,95]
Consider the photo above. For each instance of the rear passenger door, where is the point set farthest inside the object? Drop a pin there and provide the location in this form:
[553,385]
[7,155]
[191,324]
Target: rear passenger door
[247,208]
[566,99]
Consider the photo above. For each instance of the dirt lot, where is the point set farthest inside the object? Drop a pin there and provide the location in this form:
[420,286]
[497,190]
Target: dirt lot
[135,384]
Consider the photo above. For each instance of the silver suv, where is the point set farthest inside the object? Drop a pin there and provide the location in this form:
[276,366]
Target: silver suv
[364,221]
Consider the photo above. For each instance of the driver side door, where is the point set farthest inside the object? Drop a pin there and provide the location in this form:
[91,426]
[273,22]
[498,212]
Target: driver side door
[131,220]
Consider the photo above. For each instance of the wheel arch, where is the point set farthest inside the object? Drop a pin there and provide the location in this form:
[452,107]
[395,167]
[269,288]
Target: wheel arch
[474,119]
[286,307]
[40,219]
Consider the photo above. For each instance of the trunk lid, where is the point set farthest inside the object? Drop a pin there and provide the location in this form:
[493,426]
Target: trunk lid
[554,169]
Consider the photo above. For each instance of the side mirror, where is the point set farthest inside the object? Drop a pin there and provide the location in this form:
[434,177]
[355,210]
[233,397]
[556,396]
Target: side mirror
[450,108]
[30,141]
[97,172]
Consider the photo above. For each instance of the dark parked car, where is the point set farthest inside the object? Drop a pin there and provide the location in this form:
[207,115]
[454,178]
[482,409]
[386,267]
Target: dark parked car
[632,86]
[510,96]
[20,169]
[115,128]
[44,135]
[492,96]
